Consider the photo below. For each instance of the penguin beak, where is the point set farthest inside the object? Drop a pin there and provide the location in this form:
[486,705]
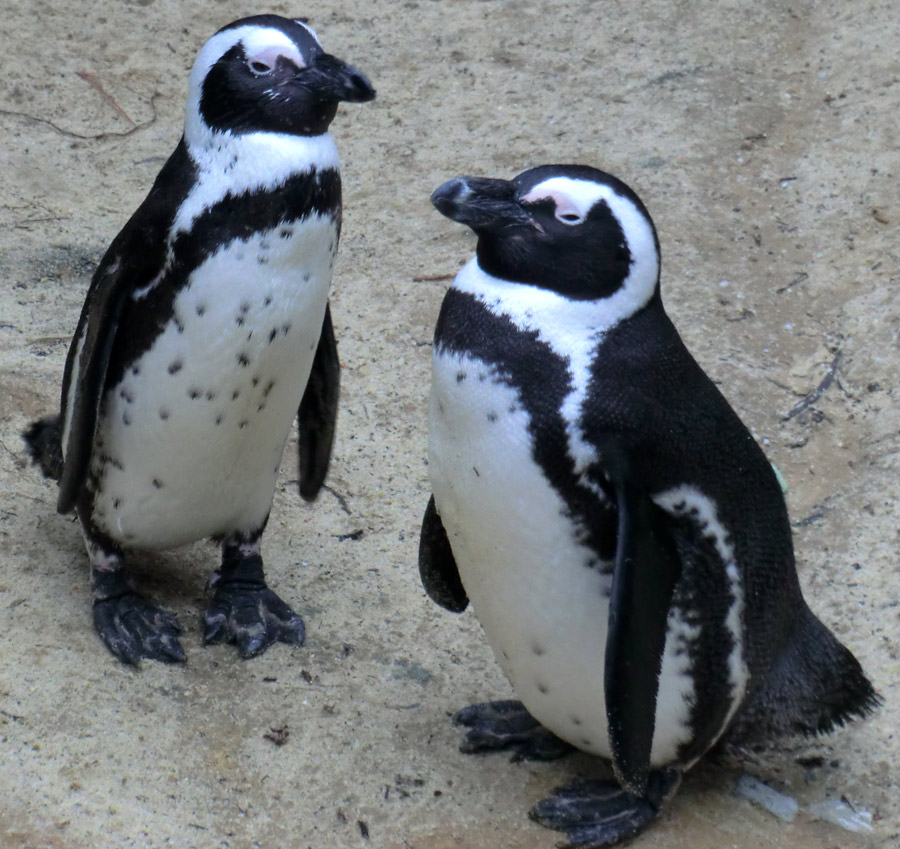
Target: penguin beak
[480,203]
[334,80]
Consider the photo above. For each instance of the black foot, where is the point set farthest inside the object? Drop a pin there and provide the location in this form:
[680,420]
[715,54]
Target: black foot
[244,611]
[596,813]
[131,627]
[506,725]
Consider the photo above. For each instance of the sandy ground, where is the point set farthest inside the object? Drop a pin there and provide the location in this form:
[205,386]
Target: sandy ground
[763,137]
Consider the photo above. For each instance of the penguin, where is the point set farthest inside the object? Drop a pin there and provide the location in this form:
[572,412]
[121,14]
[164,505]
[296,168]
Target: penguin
[622,538]
[205,331]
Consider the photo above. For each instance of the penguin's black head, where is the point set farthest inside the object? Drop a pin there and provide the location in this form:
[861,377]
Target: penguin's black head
[269,74]
[570,228]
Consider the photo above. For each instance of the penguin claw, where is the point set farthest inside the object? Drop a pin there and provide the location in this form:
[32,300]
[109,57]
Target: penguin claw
[507,725]
[595,813]
[134,629]
[253,618]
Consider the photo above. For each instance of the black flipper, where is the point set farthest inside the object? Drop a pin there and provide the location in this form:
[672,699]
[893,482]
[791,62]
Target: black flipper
[596,813]
[644,577]
[508,726]
[437,566]
[317,416]
[134,259]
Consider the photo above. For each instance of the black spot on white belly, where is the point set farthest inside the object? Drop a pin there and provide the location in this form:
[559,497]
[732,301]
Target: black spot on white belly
[194,393]
[126,419]
[210,395]
[269,387]
[175,366]
[492,416]
[575,720]
[200,309]
[157,483]
[219,419]
[125,395]
[164,413]
[244,359]
[272,334]
[542,688]
[460,376]
[538,649]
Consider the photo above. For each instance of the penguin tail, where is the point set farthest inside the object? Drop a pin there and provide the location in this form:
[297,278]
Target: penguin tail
[815,685]
[43,439]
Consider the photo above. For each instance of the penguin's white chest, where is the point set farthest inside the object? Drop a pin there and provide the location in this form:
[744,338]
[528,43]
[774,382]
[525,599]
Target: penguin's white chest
[536,589]
[190,441]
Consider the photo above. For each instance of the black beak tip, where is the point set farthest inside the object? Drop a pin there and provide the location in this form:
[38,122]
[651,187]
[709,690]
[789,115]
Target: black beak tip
[445,198]
[359,89]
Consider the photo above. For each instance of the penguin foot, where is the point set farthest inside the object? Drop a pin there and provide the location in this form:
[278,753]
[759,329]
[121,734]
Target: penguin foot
[244,611]
[506,725]
[131,627]
[596,813]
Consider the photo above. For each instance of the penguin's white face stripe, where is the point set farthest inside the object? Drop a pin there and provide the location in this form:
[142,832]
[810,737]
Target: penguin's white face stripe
[263,44]
[309,29]
[255,40]
[578,197]
[687,500]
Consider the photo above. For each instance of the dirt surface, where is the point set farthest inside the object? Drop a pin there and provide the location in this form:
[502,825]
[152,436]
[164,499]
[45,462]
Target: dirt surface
[762,136]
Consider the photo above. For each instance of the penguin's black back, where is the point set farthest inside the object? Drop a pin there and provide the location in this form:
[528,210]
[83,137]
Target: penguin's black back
[683,431]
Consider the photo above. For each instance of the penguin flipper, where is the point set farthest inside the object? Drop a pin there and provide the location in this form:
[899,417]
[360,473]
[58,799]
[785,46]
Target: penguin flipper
[317,416]
[644,576]
[437,566]
[134,260]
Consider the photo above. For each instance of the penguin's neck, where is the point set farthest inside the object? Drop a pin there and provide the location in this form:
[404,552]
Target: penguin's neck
[564,323]
[234,164]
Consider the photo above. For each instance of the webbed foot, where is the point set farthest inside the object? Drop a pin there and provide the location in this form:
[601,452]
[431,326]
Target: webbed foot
[596,813]
[244,611]
[506,725]
[131,627]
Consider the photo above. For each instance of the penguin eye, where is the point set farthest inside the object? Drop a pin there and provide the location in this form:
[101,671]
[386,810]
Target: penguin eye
[260,68]
[568,217]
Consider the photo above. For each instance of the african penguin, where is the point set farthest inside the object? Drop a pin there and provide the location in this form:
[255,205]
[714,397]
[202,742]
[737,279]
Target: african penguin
[206,330]
[623,540]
